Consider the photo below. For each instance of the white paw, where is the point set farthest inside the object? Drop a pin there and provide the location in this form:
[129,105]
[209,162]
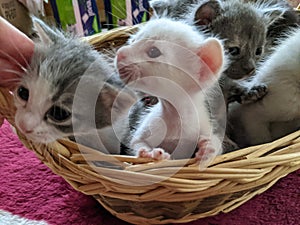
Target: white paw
[156,153]
[160,154]
[206,152]
[144,153]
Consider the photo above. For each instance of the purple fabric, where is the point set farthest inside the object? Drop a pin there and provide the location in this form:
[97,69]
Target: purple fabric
[29,189]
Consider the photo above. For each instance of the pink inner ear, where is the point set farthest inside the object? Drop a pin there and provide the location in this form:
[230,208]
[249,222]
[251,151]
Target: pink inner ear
[211,55]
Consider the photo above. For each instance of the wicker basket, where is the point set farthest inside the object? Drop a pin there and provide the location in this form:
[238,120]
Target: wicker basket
[119,185]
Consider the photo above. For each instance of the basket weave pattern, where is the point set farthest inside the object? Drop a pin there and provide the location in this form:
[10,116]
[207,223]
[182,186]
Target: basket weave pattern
[189,194]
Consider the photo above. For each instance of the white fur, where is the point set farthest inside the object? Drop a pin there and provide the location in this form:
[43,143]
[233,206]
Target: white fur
[169,30]
[173,77]
[281,74]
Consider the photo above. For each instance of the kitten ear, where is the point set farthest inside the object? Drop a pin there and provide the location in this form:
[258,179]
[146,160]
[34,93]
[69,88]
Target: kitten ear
[272,12]
[47,35]
[207,12]
[159,7]
[211,54]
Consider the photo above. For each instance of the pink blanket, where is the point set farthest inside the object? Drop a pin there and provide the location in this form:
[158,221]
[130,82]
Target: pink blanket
[30,189]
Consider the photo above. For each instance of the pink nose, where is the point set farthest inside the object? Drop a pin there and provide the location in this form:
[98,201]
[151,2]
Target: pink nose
[120,56]
[25,129]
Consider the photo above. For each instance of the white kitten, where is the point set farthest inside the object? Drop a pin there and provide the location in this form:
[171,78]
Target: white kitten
[278,113]
[177,64]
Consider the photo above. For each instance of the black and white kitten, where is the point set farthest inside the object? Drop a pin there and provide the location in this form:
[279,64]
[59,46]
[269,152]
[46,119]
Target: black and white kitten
[69,89]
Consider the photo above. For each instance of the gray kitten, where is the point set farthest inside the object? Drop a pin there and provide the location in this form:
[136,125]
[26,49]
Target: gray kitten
[242,26]
[278,113]
[69,89]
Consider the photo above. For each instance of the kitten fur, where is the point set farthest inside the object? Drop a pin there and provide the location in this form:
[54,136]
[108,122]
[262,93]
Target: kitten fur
[177,75]
[242,26]
[69,89]
[176,9]
[278,113]
[277,30]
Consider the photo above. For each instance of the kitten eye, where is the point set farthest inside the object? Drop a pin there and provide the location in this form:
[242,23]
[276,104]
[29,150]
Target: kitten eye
[23,93]
[234,51]
[258,51]
[154,52]
[58,114]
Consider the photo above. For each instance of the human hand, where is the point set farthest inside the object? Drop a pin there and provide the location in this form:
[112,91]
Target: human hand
[16,50]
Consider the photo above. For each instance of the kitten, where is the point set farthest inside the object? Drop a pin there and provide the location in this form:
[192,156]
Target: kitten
[172,61]
[242,26]
[70,90]
[278,113]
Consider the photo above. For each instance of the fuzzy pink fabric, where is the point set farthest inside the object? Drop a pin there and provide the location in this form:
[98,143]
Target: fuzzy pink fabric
[29,189]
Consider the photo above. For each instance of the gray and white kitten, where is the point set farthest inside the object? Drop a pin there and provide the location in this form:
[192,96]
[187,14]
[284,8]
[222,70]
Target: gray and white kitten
[278,113]
[70,90]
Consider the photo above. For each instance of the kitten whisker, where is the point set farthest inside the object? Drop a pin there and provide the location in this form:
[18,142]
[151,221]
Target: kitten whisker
[109,24]
[13,80]
[20,54]
[12,71]
[112,14]
[13,60]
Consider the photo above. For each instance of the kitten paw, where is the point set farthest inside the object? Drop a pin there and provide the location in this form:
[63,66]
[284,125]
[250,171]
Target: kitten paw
[144,153]
[206,153]
[235,93]
[160,154]
[156,153]
[254,94]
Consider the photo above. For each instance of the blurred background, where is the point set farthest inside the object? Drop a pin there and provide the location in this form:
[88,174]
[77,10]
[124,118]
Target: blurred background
[80,17]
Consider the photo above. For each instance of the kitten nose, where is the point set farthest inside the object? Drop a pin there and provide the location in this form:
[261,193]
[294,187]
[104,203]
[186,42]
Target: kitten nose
[249,67]
[25,129]
[120,56]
